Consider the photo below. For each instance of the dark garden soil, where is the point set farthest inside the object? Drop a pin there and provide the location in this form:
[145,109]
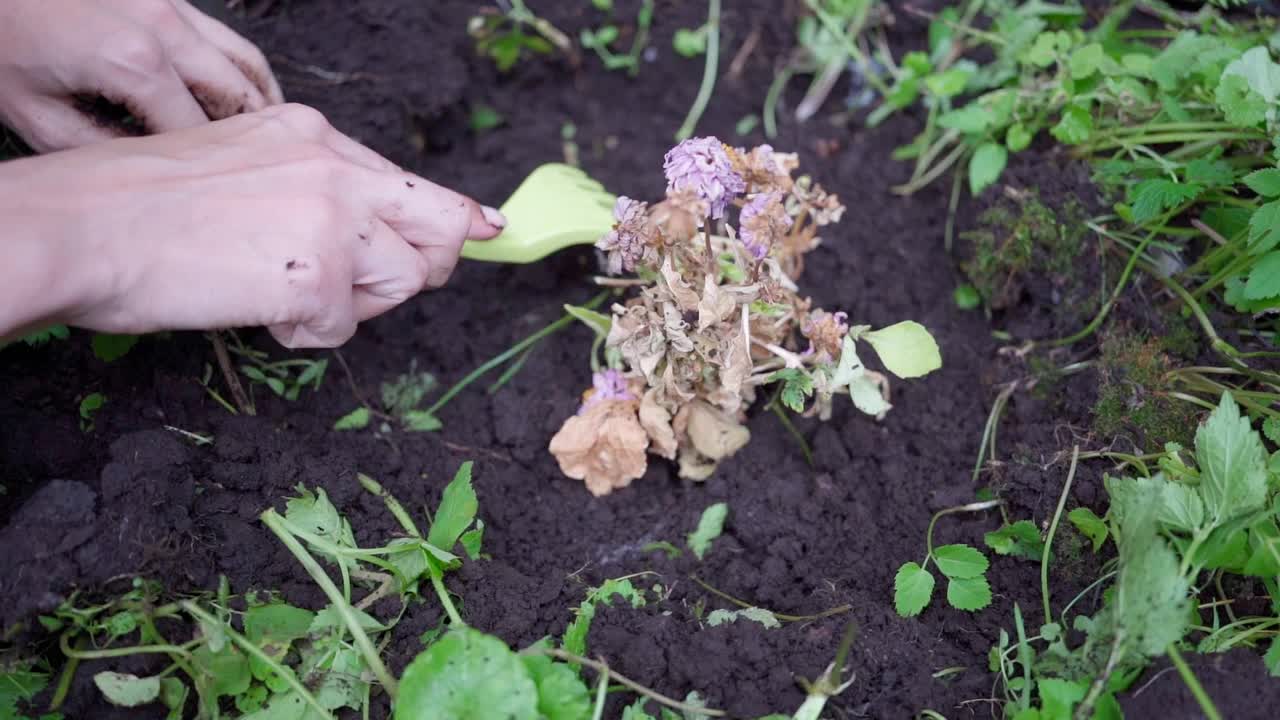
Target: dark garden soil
[82,510]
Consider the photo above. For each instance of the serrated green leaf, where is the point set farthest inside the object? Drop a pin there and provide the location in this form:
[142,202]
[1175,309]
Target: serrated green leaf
[457,509]
[912,589]
[760,615]
[125,690]
[1264,278]
[960,561]
[228,670]
[622,587]
[313,513]
[467,675]
[1020,539]
[969,594]
[1151,596]
[1150,198]
[710,525]
[276,624]
[357,419]
[1210,173]
[561,693]
[1265,182]
[1249,87]
[421,421]
[797,385]
[40,337]
[636,711]
[985,167]
[1058,697]
[1180,506]
[19,685]
[948,83]
[906,349]
[1087,60]
[1233,464]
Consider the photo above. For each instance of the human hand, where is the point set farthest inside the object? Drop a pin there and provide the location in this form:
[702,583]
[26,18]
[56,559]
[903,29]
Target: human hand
[169,65]
[271,218]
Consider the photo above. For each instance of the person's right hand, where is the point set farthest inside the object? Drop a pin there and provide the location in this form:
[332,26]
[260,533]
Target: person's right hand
[168,64]
[270,218]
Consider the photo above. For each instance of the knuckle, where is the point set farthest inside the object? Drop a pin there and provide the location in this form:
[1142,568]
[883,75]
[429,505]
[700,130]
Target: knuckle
[139,54]
[303,119]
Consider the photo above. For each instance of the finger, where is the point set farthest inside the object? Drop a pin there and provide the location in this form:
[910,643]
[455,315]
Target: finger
[426,214]
[160,101]
[387,271]
[51,124]
[243,54]
[218,85]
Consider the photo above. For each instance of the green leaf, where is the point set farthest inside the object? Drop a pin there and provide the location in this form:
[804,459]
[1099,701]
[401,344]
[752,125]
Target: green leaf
[484,118]
[1264,278]
[109,348]
[1239,103]
[1150,198]
[1233,463]
[561,693]
[1089,525]
[40,337]
[969,594]
[1264,182]
[1021,539]
[598,322]
[636,711]
[457,510]
[948,83]
[314,513]
[960,561]
[124,690]
[966,297]
[1075,126]
[689,43]
[1018,138]
[672,552]
[1249,87]
[1180,506]
[407,392]
[467,675]
[1058,697]
[91,404]
[796,386]
[986,165]
[421,421]
[1087,60]
[1272,658]
[972,119]
[228,670]
[575,635]
[1264,549]
[1151,599]
[710,525]
[276,624]
[472,539]
[1210,173]
[1271,428]
[760,615]
[19,685]
[912,589]
[357,419]
[906,349]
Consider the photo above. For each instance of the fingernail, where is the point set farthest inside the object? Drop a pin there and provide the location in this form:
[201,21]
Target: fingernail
[493,217]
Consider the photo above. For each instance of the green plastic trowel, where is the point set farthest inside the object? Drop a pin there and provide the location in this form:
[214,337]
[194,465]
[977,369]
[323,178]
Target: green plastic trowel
[556,207]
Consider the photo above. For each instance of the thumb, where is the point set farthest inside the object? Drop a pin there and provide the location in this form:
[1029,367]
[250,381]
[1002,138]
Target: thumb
[486,222]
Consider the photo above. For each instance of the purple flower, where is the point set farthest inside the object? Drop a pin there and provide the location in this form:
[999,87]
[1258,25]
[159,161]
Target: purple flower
[628,242]
[606,385]
[701,165]
[763,219]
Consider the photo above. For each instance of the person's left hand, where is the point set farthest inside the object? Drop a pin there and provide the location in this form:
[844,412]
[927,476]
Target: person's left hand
[165,62]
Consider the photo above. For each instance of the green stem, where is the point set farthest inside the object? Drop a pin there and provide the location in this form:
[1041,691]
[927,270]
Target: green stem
[630,684]
[183,651]
[1193,684]
[783,617]
[971,507]
[513,351]
[770,111]
[708,73]
[437,581]
[285,673]
[273,521]
[795,433]
[393,505]
[1053,529]
[1111,301]
[1172,138]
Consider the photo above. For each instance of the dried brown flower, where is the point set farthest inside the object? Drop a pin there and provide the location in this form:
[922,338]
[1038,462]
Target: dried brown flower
[604,446]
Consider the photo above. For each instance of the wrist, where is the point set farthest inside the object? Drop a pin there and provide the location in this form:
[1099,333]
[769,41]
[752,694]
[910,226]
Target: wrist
[53,275]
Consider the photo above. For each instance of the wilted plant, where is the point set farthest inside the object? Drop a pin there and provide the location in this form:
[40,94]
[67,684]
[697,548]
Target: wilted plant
[719,316]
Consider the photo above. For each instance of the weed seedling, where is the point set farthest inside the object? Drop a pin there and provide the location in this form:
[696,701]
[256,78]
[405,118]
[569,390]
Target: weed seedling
[600,39]
[511,31]
[710,525]
[89,406]
[964,566]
